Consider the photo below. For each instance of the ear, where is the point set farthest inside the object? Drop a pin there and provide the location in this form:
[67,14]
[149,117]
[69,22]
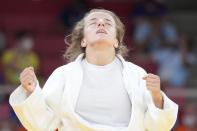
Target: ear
[83,43]
[116,44]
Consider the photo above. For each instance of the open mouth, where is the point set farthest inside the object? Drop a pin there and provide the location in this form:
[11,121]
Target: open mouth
[101,31]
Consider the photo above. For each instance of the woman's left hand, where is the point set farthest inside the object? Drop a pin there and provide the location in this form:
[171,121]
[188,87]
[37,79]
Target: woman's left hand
[153,85]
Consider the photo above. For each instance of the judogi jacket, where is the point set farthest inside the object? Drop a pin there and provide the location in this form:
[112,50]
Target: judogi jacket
[53,106]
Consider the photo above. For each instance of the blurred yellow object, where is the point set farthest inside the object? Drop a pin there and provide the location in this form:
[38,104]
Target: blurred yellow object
[14,62]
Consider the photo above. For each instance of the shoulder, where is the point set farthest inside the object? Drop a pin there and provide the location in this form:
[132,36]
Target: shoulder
[64,69]
[135,68]
[58,77]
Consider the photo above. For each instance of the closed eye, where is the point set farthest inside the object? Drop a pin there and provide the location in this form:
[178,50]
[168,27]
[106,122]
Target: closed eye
[92,23]
[108,24]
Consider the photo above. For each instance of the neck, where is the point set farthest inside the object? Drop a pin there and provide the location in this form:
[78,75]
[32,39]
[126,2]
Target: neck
[100,57]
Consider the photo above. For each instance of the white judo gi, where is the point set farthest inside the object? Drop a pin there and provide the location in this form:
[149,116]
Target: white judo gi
[54,106]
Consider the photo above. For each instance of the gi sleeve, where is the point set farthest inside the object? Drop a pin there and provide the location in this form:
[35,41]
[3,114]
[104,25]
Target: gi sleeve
[156,119]
[40,110]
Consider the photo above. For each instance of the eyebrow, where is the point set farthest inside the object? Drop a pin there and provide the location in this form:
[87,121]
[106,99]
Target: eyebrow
[107,19]
[92,19]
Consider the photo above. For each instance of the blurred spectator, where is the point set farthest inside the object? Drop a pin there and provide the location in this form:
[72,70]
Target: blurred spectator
[1,74]
[2,46]
[189,119]
[175,62]
[153,27]
[20,56]
[2,40]
[156,37]
[72,14]
[141,25]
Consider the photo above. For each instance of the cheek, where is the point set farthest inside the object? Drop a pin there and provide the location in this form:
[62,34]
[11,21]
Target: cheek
[88,32]
[112,33]
[112,30]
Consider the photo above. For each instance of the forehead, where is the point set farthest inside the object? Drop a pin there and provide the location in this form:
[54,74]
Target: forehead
[99,15]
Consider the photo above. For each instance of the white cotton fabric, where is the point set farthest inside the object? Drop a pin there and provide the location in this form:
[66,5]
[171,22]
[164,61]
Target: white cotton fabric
[102,97]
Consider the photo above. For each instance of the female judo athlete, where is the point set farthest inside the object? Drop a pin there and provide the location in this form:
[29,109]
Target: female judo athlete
[98,90]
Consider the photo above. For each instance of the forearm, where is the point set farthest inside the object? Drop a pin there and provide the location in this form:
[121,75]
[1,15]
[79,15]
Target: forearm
[32,111]
[158,100]
[162,119]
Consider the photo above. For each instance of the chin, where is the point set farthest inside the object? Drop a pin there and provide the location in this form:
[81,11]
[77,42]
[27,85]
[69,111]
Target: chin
[101,44]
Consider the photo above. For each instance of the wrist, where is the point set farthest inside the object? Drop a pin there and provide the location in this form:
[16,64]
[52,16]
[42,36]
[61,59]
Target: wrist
[157,95]
[158,100]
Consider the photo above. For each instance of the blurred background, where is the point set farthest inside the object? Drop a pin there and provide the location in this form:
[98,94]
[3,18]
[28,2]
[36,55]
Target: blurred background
[161,36]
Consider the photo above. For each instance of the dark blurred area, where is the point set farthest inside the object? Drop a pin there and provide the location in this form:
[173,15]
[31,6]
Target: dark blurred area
[161,36]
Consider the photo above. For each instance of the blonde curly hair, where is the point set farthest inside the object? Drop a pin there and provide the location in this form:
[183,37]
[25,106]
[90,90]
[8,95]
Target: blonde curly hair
[74,49]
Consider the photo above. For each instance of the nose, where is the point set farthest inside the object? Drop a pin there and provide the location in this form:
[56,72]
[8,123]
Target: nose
[101,23]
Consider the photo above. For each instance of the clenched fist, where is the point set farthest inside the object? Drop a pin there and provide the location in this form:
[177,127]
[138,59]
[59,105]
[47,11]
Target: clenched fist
[28,79]
[153,85]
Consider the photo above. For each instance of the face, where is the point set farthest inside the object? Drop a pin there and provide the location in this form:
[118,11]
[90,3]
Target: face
[26,44]
[99,31]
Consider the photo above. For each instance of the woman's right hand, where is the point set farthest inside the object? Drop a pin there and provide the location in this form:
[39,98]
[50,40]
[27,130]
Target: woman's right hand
[28,79]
